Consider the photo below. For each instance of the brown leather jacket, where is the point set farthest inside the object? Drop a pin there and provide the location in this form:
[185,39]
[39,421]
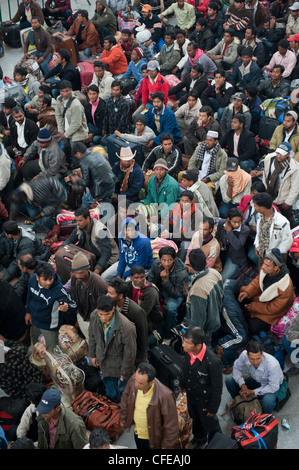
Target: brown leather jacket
[162,415]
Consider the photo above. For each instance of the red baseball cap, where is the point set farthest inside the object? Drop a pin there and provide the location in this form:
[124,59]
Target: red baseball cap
[294,38]
[295,246]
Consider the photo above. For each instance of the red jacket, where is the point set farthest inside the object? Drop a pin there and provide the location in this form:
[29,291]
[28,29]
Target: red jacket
[200,5]
[148,88]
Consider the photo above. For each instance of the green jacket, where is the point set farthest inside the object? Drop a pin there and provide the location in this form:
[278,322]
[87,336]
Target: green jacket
[169,193]
[117,356]
[70,433]
[105,18]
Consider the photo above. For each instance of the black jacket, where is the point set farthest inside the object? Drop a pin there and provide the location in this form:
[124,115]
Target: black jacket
[247,148]
[4,122]
[69,72]
[98,115]
[217,26]
[205,39]
[199,86]
[203,381]
[30,133]
[234,242]
[223,97]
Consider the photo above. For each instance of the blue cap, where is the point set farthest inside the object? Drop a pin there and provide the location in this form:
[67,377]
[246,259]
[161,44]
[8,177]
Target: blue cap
[50,399]
[284,148]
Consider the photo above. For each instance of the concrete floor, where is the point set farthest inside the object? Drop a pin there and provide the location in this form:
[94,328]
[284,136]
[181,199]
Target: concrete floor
[287,439]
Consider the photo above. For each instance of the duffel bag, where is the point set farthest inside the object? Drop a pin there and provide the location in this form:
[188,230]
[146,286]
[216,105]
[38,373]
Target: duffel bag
[98,411]
[241,409]
[11,35]
[260,431]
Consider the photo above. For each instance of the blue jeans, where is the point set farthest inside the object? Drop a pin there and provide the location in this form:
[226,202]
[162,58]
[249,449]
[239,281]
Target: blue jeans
[268,401]
[248,165]
[97,138]
[44,65]
[225,207]
[114,387]
[251,254]
[170,314]
[229,269]
[54,82]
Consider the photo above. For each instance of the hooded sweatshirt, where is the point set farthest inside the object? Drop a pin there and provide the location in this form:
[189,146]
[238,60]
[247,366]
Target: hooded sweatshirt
[133,252]
[43,304]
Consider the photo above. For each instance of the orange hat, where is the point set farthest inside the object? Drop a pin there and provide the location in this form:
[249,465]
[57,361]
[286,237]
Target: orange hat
[146,7]
[295,246]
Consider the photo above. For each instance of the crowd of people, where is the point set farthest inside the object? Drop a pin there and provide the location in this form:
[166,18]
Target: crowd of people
[183,215]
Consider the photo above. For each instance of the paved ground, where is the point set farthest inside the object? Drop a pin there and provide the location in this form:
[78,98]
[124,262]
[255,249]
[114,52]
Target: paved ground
[288,439]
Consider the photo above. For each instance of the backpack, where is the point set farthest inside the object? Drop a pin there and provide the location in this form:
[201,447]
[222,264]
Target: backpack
[284,393]
[271,345]
[260,431]
[241,409]
[276,107]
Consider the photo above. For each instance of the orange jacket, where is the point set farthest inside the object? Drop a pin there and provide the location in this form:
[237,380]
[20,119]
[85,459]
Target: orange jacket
[116,60]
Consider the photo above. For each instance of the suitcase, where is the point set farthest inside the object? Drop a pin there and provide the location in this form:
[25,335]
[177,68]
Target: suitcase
[63,41]
[221,441]
[168,364]
[97,411]
[86,71]
[114,144]
[11,35]
[64,257]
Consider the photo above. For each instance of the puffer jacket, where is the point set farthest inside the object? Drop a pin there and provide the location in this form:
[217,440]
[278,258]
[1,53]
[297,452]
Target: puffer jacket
[162,420]
[117,356]
[47,192]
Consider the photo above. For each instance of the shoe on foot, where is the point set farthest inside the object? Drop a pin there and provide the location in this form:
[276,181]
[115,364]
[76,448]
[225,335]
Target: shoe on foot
[196,443]
[156,335]
[166,341]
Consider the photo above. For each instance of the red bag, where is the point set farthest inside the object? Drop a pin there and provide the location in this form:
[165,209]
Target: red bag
[86,71]
[260,431]
[98,411]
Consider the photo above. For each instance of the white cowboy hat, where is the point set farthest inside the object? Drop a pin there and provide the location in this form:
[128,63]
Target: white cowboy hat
[126,154]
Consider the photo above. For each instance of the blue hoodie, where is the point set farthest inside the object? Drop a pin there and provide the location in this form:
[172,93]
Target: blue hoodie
[134,252]
[43,304]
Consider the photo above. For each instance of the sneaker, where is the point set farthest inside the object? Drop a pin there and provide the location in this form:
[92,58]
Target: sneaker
[156,335]
[176,331]
[196,443]
[166,341]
